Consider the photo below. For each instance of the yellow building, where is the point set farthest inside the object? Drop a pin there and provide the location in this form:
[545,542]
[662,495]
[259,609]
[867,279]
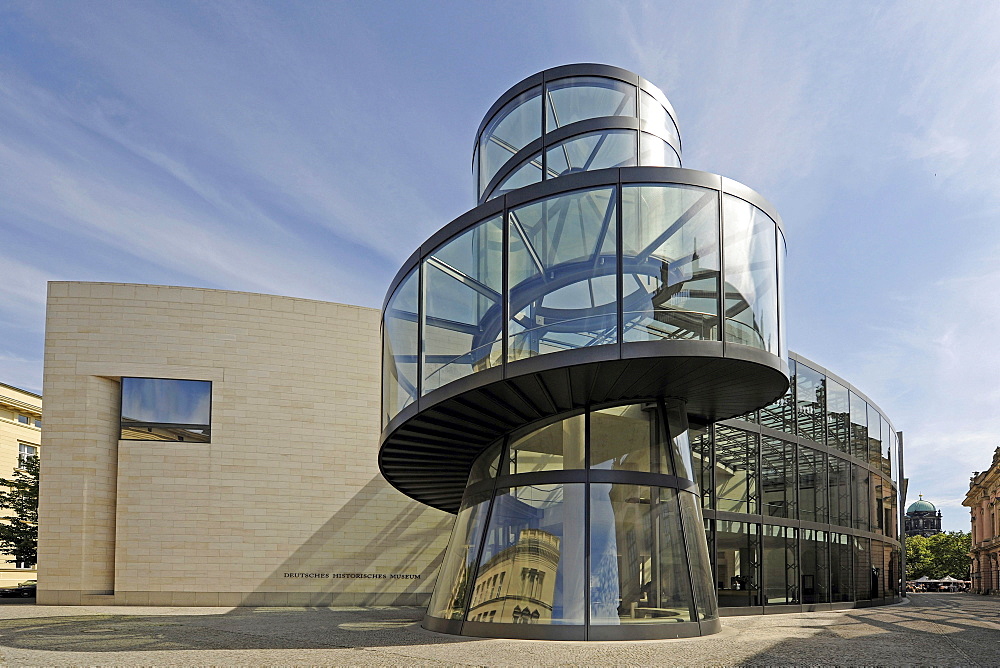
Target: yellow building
[20,435]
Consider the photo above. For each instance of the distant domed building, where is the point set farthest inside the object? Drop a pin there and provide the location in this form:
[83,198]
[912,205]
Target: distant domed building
[922,519]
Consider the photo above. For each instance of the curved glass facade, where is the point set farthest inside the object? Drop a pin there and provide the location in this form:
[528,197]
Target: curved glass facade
[587,523]
[796,517]
[560,368]
[624,262]
[548,131]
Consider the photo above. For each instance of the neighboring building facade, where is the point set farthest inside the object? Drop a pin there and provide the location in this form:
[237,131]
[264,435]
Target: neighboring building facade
[922,519]
[272,498]
[596,353]
[982,500]
[20,437]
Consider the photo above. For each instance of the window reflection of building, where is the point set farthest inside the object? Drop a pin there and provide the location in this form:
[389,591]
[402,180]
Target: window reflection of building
[518,584]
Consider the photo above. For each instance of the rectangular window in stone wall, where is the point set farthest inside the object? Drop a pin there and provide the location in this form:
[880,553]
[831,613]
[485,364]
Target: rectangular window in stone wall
[165,409]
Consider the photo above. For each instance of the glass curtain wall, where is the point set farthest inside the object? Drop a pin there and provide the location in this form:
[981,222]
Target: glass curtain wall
[524,558]
[751,292]
[736,452]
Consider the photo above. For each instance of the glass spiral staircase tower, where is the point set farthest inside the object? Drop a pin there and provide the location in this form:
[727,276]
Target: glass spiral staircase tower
[545,353]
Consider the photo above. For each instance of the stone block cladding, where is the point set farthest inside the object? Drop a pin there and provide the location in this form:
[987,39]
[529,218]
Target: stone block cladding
[285,505]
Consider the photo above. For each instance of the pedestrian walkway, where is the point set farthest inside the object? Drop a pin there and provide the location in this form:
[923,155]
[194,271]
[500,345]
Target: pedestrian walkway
[930,630]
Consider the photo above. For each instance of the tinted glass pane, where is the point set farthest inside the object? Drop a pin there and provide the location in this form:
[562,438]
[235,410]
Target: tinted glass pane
[737,564]
[162,409]
[781,567]
[812,485]
[463,306]
[399,349]
[532,567]
[888,447]
[629,438]
[861,506]
[706,605]
[751,274]
[555,447]
[701,454]
[735,470]
[815,566]
[864,582]
[782,339]
[777,477]
[859,427]
[810,402]
[528,173]
[579,98]
[840,491]
[838,416]
[598,150]
[781,414]
[841,570]
[638,564]
[874,437]
[562,273]
[670,257]
[655,117]
[516,126]
[654,152]
[449,598]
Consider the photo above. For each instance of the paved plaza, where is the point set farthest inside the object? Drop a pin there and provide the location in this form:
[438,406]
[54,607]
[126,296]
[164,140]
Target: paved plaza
[930,630]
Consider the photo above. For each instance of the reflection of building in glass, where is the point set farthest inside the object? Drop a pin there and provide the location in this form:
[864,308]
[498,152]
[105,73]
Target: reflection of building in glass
[597,352]
[982,500]
[922,518]
[517,585]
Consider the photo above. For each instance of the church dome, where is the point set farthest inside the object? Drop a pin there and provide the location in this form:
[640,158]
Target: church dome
[921,506]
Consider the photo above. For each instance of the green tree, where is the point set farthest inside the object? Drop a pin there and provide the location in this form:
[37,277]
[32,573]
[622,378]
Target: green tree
[938,555]
[19,530]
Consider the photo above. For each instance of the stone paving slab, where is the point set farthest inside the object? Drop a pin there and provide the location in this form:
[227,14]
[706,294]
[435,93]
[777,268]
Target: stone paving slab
[930,630]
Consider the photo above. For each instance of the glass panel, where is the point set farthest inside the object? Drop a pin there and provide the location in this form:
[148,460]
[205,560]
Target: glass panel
[840,491]
[579,98]
[838,416]
[399,349]
[777,477]
[859,427]
[532,568]
[737,564]
[810,402]
[815,566]
[860,507]
[888,447]
[486,464]
[638,565]
[697,553]
[514,127]
[701,454]
[553,448]
[597,150]
[781,414]
[874,438]
[528,173]
[463,306]
[735,470]
[751,275]
[841,571]
[679,441]
[562,274]
[449,597]
[654,152]
[782,339]
[812,485]
[670,256]
[164,409]
[863,580]
[628,438]
[655,117]
[780,566]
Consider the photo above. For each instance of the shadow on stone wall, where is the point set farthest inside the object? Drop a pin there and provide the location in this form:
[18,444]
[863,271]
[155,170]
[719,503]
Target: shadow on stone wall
[380,532]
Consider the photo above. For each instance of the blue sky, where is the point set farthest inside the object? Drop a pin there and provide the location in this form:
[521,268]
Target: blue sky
[307,148]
